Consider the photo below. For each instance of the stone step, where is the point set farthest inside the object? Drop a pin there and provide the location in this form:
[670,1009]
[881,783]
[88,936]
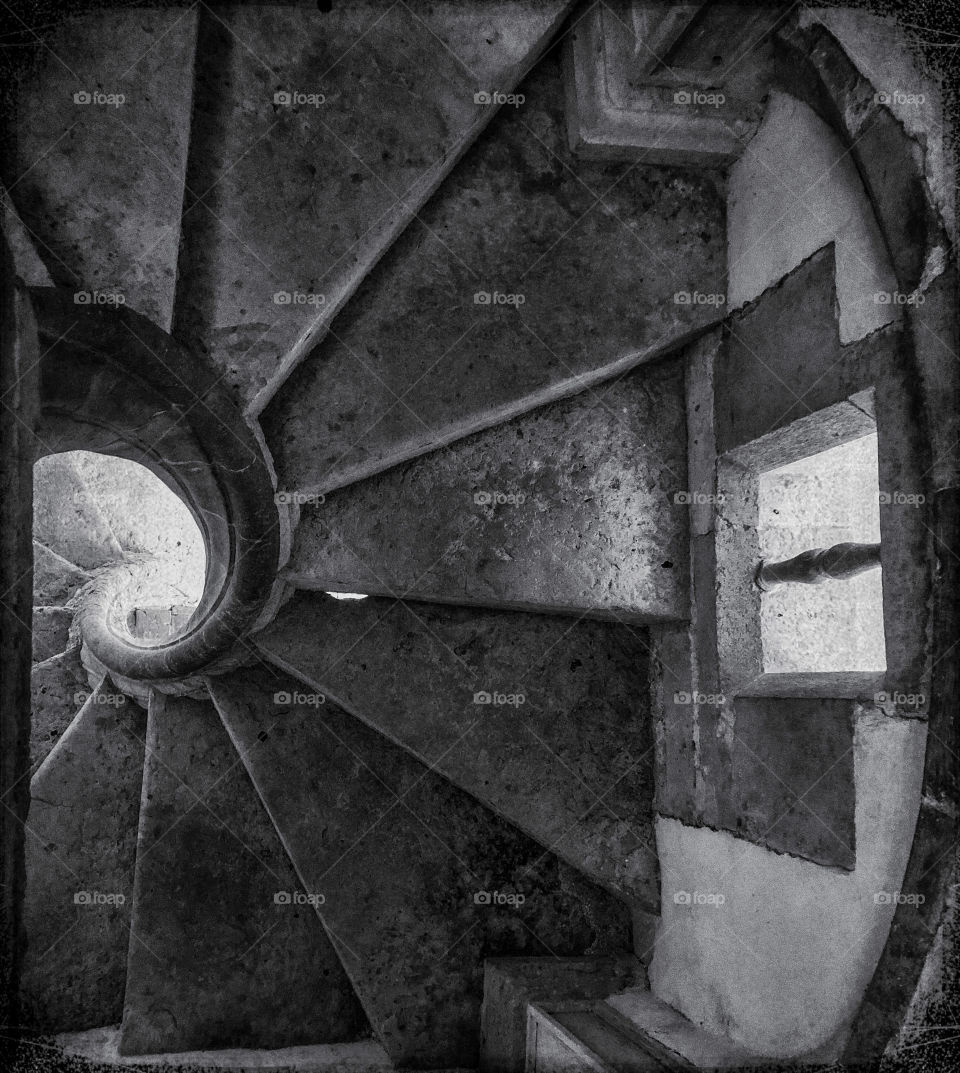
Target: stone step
[294,193]
[59,686]
[510,985]
[68,519]
[99,1045]
[51,632]
[568,754]
[80,852]
[578,506]
[416,882]
[55,579]
[526,275]
[104,207]
[224,949]
[631,1032]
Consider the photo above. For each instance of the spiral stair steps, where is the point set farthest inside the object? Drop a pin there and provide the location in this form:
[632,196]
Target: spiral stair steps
[289,195]
[80,850]
[219,957]
[86,540]
[104,208]
[420,358]
[58,686]
[543,720]
[55,579]
[576,506]
[419,881]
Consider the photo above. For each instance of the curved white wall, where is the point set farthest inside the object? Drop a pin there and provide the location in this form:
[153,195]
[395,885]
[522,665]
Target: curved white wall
[794,190]
[782,964]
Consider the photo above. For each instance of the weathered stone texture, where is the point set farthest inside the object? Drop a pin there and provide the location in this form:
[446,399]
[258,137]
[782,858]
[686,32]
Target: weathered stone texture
[80,851]
[577,506]
[217,960]
[596,252]
[568,759]
[420,882]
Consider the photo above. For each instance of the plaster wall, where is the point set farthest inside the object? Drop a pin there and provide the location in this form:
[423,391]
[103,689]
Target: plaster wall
[781,965]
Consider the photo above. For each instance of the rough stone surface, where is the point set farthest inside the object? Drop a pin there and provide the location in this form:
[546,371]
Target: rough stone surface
[780,965]
[581,509]
[421,883]
[793,777]
[301,197]
[571,765]
[675,726]
[58,687]
[19,386]
[511,984]
[785,384]
[51,632]
[99,185]
[81,844]
[55,580]
[99,1046]
[216,960]
[597,251]
[777,218]
[811,65]
[67,518]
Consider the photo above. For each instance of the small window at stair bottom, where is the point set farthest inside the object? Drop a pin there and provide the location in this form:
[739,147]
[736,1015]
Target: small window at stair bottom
[818,501]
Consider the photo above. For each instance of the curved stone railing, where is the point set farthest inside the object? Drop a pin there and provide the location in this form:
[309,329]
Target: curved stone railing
[113,382]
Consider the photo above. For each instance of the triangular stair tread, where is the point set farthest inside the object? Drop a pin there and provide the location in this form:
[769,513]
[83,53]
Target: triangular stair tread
[80,852]
[224,951]
[529,272]
[339,190]
[99,1045]
[104,207]
[55,579]
[563,749]
[577,506]
[59,686]
[68,519]
[419,882]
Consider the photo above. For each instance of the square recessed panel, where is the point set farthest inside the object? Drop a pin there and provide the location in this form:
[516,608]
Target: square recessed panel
[827,498]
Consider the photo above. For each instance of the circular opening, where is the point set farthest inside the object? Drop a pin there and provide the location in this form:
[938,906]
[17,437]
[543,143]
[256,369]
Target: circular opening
[93,512]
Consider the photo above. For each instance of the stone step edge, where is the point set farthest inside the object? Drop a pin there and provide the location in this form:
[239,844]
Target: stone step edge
[363,1056]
